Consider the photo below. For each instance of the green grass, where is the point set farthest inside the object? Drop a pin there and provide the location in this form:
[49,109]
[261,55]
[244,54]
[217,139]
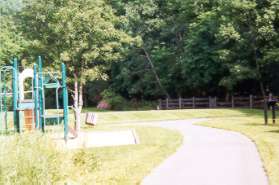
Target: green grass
[155,115]
[33,159]
[129,164]
[248,122]
[94,109]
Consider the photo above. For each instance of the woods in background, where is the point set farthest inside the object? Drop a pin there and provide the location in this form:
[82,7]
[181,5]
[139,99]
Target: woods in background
[148,49]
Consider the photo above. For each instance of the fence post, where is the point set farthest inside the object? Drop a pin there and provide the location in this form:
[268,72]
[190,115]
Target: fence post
[215,102]
[180,102]
[232,101]
[167,103]
[193,103]
[160,104]
[251,101]
[209,102]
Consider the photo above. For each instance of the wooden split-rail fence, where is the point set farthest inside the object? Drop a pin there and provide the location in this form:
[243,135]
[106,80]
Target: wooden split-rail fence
[212,102]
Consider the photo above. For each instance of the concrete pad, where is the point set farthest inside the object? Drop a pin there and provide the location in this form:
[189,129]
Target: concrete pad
[99,139]
[209,156]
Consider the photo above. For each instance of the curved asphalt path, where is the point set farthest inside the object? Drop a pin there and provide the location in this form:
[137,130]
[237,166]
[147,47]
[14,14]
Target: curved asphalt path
[209,156]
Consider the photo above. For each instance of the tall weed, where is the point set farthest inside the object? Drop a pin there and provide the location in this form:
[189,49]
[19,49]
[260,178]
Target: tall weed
[31,159]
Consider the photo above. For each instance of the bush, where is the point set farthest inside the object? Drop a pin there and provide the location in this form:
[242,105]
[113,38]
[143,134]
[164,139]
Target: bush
[103,105]
[116,101]
[31,159]
[142,105]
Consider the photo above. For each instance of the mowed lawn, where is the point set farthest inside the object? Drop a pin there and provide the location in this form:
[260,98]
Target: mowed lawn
[113,117]
[123,165]
[246,121]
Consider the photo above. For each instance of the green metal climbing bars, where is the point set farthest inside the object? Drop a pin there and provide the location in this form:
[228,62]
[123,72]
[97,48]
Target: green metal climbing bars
[40,82]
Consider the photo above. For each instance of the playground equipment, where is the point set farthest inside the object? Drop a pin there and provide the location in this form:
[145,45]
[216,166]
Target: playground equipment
[32,107]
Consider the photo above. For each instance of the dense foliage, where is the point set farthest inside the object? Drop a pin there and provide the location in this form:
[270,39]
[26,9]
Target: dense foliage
[200,47]
[147,49]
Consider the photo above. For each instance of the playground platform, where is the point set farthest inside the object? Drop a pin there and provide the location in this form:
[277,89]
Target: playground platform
[98,139]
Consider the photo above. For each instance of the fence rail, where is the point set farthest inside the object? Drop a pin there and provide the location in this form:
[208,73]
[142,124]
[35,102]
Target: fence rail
[212,102]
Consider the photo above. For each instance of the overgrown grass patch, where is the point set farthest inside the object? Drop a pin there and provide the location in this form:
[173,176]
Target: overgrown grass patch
[129,164]
[32,158]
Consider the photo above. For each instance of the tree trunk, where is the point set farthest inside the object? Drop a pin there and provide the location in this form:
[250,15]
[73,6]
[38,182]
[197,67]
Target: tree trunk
[155,73]
[265,103]
[78,103]
[260,79]
[259,75]
[227,98]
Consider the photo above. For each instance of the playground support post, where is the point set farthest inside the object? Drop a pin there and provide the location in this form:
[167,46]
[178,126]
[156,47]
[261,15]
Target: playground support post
[5,107]
[0,100]
[36,97]
[65,101]
[3,99]
[5,104]
[41,88]
[15,96]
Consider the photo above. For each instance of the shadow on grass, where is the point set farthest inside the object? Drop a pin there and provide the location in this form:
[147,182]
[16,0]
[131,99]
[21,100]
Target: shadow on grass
[254,124]
[273,131]
[94,109]
[251,112]
[7,133]
[270,125]
[257,112]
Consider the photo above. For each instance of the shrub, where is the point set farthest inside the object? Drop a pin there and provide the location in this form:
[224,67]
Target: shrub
[142,105]
[114,100]
[103,105]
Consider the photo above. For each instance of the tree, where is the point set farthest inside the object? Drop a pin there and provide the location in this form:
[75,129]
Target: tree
[249,34]
[151,65]
[175,48]
[144,22]
[12,43]
[85,34]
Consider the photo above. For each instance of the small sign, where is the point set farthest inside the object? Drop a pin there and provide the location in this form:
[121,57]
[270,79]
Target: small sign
[91,118]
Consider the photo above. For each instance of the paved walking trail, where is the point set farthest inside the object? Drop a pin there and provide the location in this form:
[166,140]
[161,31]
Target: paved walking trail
[209,156]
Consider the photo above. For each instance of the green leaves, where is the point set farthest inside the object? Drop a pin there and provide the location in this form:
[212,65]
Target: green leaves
[12,43]
[78,32]
[193,46]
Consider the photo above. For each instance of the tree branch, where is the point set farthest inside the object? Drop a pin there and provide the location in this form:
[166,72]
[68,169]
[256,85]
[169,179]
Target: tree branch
[154,72]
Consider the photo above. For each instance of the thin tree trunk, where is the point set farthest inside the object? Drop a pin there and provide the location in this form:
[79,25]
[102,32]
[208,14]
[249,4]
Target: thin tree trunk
[265,103]
[77,111]
[80,105]
[155,73]
[80,98]
[259,75]
[227,98]
[260,78]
